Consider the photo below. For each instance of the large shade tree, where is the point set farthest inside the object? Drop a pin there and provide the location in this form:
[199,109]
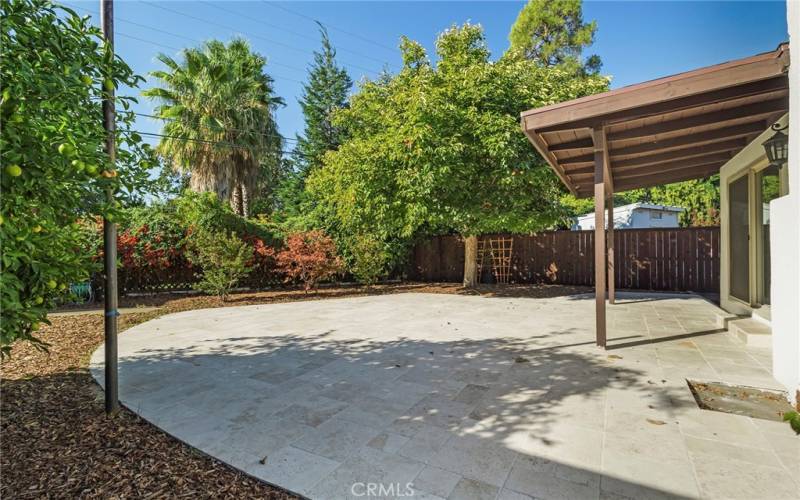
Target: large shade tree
[553,33]
[439,148]
[218,108]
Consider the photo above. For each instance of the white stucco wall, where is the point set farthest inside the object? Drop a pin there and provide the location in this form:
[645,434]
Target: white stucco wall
[785,242]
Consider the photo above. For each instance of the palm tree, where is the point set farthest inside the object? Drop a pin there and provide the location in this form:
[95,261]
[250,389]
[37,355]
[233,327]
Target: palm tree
[219,111]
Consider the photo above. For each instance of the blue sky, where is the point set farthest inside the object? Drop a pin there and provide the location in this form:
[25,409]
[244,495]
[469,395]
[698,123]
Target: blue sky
[637,41]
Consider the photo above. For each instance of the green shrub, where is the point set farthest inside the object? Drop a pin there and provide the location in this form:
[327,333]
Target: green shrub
[224,260]
[371,259]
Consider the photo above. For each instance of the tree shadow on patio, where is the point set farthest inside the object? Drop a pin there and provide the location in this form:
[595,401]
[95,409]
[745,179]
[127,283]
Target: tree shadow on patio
[526,413]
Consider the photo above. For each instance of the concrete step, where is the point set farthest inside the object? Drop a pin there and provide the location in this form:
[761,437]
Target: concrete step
[723,318]
[752,332]
[763,314]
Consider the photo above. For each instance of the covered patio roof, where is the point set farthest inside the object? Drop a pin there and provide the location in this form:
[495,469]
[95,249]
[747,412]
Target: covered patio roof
[676,128]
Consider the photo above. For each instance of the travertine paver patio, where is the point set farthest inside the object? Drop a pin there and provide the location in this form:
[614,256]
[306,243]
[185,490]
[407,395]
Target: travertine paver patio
[462,397]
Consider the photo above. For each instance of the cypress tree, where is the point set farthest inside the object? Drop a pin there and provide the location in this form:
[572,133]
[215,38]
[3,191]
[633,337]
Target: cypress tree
[327,90]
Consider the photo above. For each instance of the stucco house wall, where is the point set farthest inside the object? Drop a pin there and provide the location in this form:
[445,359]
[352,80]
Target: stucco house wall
[785,243]
[784,216]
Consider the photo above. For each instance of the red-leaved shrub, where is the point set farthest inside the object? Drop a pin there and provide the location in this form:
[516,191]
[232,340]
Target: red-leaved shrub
[309,257]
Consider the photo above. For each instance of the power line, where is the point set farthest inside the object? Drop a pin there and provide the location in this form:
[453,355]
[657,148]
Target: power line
[235,30]
[204,141]
[156,117]
[169,47]
[281,28]
[335,28]
[193,40]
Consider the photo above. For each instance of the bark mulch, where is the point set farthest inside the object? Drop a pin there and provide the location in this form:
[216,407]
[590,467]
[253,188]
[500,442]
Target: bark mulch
[57,441]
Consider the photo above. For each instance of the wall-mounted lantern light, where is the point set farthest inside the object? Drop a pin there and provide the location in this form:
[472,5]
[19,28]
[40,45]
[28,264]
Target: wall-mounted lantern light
[777,146]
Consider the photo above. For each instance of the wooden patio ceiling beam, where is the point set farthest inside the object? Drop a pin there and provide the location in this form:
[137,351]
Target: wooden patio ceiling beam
[585,143]
[755,111]
[692,101]
[584,186]
[734,131]
[572,169]
[745,129]
[621,172]
[699,172]
[666,169]
[682,156]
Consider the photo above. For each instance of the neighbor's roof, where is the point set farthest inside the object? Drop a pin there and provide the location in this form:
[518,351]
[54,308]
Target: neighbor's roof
[671,129]
[633,206]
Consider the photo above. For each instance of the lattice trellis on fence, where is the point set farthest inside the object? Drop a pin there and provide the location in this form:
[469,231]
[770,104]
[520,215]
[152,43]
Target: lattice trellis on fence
[499,250]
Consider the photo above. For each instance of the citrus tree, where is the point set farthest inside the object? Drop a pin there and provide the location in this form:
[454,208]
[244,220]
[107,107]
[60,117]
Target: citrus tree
[55,71]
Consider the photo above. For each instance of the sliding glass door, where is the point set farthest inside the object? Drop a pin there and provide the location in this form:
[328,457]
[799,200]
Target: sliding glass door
[739,220]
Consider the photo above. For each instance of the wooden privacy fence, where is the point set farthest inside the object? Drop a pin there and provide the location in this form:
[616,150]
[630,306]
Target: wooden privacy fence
[675,259]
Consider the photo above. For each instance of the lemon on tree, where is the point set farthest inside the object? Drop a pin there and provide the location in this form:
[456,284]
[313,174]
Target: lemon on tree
[14,170]
[51,137]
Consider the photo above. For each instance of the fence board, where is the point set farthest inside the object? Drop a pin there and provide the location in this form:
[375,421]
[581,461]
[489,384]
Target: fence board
[669,259]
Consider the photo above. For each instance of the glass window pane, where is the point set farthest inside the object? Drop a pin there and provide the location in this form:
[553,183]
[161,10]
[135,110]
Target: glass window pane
[739,236]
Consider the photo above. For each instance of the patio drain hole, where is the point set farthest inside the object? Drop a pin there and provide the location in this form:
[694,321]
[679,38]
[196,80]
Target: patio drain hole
[739,400]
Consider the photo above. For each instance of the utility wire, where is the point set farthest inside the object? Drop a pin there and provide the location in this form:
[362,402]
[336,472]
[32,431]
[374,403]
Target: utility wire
[234,129]
[335,28]
[235,30]
[204,141]
[281,28]
[193,40]
[169,47]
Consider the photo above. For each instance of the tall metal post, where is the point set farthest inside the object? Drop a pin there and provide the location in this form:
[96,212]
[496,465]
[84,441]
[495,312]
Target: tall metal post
[110,228]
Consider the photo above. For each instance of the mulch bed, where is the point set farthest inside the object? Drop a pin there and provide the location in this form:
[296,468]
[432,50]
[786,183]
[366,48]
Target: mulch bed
[57,441]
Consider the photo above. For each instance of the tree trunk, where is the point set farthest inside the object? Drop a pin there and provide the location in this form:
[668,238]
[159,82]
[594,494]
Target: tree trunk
[245,201]
[236,199]
[470,261]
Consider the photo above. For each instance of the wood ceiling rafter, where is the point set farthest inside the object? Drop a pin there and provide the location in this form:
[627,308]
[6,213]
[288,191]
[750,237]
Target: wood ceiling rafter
[751,112]
[655,169]
[667,130]
[693,101]
[625,184]
[572,165]
[692,140]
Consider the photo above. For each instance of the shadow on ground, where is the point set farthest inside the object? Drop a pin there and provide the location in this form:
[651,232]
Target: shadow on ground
[525,415]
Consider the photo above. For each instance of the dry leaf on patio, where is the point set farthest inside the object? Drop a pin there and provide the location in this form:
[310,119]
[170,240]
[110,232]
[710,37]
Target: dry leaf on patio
[656,422]
[614,356]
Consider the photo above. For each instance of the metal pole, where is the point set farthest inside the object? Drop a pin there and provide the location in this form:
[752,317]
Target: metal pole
[110,228]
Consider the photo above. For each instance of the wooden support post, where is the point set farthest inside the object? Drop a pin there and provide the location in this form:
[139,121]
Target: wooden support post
[610,249]
[598,136]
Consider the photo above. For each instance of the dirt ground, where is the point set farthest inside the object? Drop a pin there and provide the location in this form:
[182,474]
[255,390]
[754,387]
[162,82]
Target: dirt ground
[57,441]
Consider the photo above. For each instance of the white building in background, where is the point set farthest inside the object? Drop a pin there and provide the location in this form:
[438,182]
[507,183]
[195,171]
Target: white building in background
[634,216]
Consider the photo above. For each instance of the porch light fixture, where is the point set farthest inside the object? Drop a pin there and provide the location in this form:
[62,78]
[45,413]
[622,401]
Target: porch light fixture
[777,146]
